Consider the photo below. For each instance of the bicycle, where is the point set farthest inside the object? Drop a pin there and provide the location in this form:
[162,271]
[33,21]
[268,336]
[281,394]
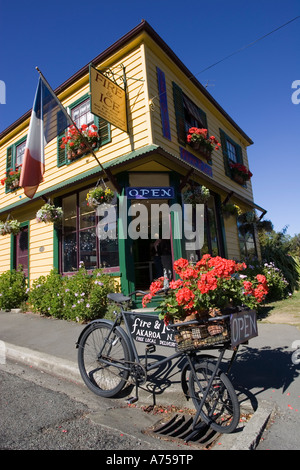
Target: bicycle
[108,359]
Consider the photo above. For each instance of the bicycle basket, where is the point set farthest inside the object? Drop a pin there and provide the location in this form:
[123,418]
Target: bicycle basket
[192,337]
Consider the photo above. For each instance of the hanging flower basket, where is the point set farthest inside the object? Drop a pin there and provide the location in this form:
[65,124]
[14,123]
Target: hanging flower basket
[231,210]
[196,195]
[49,213]
[98,196]
[197,138]
[10,226]
[240,173]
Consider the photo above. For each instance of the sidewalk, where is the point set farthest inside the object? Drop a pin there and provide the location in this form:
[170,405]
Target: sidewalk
[50,344]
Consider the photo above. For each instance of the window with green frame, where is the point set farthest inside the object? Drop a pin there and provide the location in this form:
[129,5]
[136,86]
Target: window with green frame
[81,114]
[232,152]
[14,160]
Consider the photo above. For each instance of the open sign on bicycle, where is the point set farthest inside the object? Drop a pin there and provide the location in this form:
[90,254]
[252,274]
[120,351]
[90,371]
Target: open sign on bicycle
[243,327]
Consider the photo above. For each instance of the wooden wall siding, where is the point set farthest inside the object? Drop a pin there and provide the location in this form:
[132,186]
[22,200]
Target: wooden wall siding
[121,142]
[214,119]
[232,239]
[4,253]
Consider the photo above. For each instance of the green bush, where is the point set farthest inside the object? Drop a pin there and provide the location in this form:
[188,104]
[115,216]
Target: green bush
[45,295]
[81,297]
[13,289]
[278,287]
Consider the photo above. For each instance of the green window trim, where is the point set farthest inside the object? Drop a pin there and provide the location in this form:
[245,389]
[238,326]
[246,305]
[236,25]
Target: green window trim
[239,154]
[11,159]
[104,130]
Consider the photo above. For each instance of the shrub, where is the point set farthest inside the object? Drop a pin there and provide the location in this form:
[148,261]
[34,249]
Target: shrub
[13,289]
[45,295]
[81,297]
[278,287]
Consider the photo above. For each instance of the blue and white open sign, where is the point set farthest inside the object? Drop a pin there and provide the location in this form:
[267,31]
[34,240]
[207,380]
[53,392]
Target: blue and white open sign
[150,193]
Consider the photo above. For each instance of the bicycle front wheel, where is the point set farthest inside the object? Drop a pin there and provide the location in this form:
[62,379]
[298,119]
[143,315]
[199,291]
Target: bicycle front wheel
[103,359]
[221,409]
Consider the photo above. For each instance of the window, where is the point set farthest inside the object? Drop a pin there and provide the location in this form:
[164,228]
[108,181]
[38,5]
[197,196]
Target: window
[81,114]
[247,240]
[20,249]
[14,159]
[79,241]
[187,114]
[232,152]
[213,243]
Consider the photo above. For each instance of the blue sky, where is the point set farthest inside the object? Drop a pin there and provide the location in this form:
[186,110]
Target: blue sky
[253,86]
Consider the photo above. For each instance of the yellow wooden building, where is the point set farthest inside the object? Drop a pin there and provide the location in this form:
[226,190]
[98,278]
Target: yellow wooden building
[163,100]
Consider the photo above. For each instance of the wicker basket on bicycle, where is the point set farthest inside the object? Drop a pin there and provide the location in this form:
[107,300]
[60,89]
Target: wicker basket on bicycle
[209,331]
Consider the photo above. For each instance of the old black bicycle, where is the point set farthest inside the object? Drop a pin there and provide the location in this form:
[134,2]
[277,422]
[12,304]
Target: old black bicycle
[108,360]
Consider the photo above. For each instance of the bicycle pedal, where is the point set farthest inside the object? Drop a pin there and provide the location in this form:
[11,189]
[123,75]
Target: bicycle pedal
[150,348]
[132,400]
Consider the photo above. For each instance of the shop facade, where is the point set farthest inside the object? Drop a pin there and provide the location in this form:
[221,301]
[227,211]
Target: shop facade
[150,166]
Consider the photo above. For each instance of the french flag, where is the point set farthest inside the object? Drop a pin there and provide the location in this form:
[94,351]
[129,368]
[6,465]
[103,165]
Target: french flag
[48,120]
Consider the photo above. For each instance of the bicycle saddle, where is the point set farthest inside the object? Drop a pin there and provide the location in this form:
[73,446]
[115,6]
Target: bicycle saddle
[117,297]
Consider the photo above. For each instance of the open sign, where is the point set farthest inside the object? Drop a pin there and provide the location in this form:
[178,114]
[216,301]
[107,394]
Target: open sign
[243,326]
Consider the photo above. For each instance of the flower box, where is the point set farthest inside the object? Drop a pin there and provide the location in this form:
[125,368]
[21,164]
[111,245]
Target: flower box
[240,174]
[202,149]
[199,141]
[75,142]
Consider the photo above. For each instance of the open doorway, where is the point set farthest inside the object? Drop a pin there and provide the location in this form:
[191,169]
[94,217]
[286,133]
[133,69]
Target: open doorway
[152,251]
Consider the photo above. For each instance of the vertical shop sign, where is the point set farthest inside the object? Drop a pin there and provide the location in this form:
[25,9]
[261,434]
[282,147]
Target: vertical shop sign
[108,100]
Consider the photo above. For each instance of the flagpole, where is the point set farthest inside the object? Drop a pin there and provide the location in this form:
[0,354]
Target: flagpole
[108,173]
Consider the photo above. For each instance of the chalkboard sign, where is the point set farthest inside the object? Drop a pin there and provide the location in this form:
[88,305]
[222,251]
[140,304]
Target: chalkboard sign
[243,327]
[150,329]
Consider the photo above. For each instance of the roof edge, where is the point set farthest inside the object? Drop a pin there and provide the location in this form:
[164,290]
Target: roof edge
[141,27]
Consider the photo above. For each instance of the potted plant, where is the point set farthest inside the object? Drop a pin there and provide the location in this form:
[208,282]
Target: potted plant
[10,226]
[99,195]
[240,173]
[231,209]
[49,213]
[199,140]
[196,195]
[75,140]
[207,289]
[12,178]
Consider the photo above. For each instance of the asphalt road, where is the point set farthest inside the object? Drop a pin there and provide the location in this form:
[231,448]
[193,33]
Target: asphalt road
[42,412]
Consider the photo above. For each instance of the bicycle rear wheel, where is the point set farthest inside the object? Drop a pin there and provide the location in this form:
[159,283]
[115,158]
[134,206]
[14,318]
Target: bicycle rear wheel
[100,372]
[221,408]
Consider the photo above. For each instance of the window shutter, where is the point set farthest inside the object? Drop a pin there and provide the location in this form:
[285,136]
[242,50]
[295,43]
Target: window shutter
[103,130]
[179,113]
[203,118]
[225,153]
[61,152]
[9,158]
[239,154]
